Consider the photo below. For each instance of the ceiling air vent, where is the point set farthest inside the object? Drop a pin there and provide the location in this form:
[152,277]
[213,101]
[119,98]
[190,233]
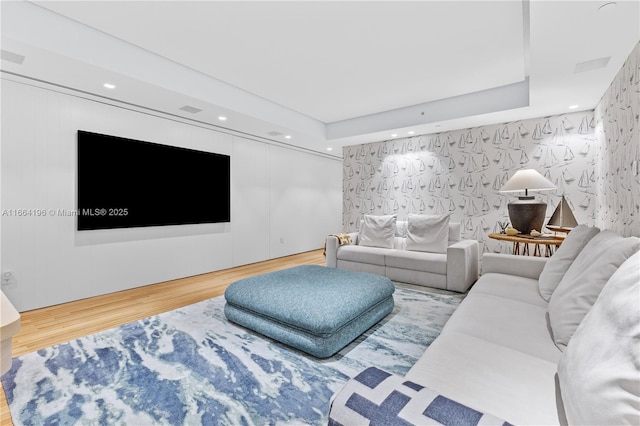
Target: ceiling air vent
[190,109]
[11,57]
[591,65]
[274,133]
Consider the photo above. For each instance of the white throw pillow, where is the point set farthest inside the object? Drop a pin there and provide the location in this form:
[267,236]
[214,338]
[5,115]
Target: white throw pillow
[428,233]
[560,262]
[598,372]
[581,285]
[377,231]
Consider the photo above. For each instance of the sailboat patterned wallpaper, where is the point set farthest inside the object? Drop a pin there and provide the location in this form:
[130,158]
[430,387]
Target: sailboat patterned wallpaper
[460,173]
[618,134]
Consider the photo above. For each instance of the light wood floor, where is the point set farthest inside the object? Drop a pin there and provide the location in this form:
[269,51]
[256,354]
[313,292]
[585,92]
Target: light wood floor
[45,327]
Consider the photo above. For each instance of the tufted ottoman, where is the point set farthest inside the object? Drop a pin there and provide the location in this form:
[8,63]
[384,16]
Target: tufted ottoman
[313,308]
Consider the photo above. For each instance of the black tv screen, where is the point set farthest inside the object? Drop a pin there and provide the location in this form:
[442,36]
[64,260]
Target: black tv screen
[127,183]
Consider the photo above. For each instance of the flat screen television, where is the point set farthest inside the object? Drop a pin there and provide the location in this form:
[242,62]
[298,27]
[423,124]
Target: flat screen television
[127,183]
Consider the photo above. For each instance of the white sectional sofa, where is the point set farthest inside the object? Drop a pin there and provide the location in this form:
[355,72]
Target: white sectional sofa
[541,341]
[455,268]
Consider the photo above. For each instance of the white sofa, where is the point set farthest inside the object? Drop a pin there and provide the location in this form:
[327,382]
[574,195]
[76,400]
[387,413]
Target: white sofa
[508,352]
[454,270]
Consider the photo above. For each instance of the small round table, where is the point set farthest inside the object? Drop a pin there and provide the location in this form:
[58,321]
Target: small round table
[550,243]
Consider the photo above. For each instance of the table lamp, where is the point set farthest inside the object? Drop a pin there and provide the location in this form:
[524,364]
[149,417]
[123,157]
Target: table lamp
[527,214]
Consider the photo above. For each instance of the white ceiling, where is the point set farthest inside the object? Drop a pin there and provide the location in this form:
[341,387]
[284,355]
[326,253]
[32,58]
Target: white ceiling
[328,73]
[329,60]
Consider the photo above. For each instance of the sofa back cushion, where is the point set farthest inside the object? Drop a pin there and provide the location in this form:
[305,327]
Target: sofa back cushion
[582,283]
[560,262]
[401,233]
[598,372]
[377,231]
[428,233]
[454,232]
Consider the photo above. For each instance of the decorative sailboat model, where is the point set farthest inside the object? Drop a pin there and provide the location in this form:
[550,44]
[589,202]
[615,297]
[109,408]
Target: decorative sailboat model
[562,219]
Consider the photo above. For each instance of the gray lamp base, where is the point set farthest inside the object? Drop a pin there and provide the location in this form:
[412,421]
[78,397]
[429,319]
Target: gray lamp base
[527,214]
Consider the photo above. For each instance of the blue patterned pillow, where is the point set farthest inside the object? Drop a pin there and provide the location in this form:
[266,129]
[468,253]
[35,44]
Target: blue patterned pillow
[375,397]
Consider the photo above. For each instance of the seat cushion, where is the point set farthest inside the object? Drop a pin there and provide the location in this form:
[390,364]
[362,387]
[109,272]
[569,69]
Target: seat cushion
[362,254]
[526,330]
[488,377]
[510,287]
[417,261]
[313,308]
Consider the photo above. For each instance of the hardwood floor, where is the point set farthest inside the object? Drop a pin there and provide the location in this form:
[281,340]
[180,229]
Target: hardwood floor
[45,327]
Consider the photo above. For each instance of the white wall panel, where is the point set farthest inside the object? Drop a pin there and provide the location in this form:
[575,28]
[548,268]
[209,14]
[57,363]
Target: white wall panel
[306,191]
[250,201]
[53,263]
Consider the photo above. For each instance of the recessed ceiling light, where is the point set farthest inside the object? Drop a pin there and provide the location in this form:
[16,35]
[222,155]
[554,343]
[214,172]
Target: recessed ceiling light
[287,136]
[222,118]
[109,86]
[573,106]
[607,7]
[329,149]
[411,132]
[394,135]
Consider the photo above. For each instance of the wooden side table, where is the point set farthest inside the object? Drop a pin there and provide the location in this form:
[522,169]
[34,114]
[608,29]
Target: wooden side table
[550,243]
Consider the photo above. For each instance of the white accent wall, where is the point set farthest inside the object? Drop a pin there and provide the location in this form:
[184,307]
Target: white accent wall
[284,201]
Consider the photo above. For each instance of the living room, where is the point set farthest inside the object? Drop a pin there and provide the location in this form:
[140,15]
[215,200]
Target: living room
[283,177]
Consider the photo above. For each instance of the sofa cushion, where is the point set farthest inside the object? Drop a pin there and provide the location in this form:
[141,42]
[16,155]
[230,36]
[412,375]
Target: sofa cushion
[512,287]
[428,233]
[362,254]
[489,377]
[378,231]
[598,373]
[560,262]
[582,283]
[485,316]
[455,234]
[417,261]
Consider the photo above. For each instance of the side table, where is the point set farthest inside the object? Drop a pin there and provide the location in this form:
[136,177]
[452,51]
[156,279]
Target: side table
[550,243]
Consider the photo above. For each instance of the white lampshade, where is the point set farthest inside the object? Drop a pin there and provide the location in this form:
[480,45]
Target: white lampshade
[527,180]
[527,214]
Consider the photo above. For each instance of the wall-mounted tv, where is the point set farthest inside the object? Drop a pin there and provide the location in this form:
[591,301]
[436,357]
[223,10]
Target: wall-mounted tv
[127,183]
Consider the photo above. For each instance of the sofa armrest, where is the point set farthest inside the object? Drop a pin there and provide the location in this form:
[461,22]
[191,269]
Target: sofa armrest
[377,397]
[331,248]
[463,265]
[331,251]
[511,264]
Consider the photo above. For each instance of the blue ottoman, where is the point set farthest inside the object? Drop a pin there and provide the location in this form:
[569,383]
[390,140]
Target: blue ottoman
[313,308]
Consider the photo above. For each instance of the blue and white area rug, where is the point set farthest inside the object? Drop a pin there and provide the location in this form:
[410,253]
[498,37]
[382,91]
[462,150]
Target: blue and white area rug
[191,366]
